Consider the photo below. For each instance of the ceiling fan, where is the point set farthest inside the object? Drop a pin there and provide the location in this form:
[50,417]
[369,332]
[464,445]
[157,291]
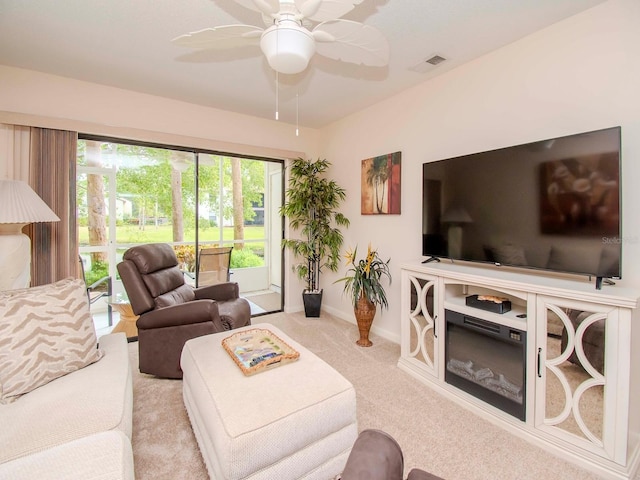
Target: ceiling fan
[290,38]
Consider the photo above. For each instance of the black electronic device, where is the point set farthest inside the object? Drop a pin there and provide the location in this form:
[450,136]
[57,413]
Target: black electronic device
[489,303]
[552,204]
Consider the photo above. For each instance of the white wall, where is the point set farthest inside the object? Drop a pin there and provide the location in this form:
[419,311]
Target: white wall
[59,102]
[578,75]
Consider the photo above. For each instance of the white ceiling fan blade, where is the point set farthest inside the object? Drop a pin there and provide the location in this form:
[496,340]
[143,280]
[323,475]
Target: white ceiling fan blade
[351,42]
[266,7]
[226,36]
[323,10]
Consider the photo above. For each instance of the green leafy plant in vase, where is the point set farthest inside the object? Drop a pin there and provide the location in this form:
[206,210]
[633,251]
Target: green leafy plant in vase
[363,283]
[311,206]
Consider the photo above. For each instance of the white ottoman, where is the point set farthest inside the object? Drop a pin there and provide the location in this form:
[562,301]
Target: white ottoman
[296,421]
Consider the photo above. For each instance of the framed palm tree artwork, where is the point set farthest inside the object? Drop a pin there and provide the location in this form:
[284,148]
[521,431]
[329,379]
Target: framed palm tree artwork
[380,185]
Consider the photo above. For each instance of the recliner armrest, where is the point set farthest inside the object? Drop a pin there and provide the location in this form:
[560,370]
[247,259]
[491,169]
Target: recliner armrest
[375,456]
[220,291]
[196,311]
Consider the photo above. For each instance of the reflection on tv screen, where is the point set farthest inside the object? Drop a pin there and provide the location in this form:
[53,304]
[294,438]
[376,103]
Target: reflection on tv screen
[552,204]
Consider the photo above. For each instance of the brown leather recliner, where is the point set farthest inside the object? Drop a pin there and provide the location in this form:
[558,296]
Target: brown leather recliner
[377,456]
[172,312]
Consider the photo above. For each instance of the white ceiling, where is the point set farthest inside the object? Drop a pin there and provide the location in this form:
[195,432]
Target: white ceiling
[127,44]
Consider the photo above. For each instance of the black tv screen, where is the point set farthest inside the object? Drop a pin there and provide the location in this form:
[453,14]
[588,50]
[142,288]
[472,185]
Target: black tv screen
[552,204]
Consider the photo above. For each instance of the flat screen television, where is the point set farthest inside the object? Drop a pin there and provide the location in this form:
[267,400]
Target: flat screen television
[552,205]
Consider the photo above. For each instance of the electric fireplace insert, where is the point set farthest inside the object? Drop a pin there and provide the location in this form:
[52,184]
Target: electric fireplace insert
[487,360]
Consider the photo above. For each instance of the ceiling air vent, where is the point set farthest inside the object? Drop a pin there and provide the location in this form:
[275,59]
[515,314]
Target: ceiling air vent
[435,60]
[428,64]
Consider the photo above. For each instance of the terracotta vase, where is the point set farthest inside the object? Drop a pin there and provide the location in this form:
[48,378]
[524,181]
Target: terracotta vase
[364,311]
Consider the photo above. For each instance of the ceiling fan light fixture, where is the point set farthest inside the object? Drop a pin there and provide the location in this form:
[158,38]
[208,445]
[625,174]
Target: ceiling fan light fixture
[288,47]
[295,31]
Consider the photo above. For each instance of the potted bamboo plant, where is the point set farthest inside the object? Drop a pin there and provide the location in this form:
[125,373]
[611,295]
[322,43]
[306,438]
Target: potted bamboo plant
[311,207]
[363,283]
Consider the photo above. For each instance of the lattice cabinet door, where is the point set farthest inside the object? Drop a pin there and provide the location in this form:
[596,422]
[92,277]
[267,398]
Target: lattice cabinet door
[579,346]
[420,322]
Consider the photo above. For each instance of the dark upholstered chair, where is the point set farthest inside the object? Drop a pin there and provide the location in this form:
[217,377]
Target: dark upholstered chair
[377,456]
[172,312]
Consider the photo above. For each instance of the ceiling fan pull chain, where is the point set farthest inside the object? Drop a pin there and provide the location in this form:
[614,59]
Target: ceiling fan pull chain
[276,95]
[277,87]
[297,124]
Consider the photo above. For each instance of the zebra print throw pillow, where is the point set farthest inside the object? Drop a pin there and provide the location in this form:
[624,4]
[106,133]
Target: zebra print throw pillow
[45,332]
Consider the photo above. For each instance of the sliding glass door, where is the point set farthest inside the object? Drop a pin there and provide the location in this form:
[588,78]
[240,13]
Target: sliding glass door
[238,200]
[130,194]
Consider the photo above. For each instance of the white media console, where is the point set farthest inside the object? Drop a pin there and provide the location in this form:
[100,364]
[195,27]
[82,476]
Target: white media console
[581,392]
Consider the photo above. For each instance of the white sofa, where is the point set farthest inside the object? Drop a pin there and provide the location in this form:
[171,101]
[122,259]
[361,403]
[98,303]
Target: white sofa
[77,426]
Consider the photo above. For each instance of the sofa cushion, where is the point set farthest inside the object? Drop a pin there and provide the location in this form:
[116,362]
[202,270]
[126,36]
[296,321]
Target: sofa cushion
[609,260]
[45,332]
[583,259]
[509,254]
[101,456]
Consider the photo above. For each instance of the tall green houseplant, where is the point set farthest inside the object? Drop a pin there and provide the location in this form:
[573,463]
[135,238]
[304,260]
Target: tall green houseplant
[311,206]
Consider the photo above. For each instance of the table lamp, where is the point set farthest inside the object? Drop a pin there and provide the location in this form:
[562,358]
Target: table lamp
[19,206]
[456,217]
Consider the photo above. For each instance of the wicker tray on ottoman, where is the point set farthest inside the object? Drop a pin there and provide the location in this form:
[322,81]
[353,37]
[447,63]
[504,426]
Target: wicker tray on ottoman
[258,349]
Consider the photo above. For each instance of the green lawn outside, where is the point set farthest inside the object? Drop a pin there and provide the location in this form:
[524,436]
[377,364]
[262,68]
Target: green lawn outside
[251,256]
[151,234]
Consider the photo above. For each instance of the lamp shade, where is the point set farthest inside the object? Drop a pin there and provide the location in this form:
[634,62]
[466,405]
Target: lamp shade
[20,204]
[456,215]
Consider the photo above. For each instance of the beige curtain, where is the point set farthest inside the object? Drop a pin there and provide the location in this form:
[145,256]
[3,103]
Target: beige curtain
[52,174]
[14,152]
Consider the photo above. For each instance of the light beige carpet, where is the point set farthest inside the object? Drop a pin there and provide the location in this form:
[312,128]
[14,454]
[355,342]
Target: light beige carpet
[435,434]
[266,301]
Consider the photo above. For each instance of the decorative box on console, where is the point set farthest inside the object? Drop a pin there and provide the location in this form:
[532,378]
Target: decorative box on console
[489,302]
